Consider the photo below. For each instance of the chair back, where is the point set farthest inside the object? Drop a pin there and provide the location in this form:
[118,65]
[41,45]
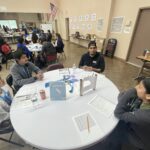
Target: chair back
[6,127]
[55,66]
[51,58]
[9,80]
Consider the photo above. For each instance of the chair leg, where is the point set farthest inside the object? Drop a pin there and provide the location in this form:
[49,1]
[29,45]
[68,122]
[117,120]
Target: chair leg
[11,136]
[64,55]
[11,142]
[6,64]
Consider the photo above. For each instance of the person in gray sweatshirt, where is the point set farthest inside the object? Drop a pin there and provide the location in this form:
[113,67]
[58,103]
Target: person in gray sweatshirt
[22,70]
[133,112]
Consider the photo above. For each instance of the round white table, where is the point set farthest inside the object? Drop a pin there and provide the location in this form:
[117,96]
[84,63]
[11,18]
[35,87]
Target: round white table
[34,47]
[52,125]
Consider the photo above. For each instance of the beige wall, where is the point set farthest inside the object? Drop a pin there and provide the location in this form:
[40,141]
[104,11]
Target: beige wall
[39,6]
[71,8]
[104,9]
[128,9]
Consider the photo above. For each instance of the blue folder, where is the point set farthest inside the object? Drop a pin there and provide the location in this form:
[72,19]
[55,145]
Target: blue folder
[58,90]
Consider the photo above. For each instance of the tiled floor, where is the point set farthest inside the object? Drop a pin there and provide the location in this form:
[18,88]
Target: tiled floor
[122,74]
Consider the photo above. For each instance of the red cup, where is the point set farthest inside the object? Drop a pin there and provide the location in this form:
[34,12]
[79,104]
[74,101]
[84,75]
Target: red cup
[43,94]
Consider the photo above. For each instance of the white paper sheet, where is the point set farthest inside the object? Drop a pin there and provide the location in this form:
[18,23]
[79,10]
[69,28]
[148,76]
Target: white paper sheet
[102,105]
[87,127]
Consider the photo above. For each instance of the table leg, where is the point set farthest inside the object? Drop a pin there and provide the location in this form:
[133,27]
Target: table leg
[141,70]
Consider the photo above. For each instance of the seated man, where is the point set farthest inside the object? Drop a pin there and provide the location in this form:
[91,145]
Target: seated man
[22,70]
[92,60]
[133,111]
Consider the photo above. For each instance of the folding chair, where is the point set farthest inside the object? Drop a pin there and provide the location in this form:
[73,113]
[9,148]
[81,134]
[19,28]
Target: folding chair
[55,66]
[6,127]
[9,80]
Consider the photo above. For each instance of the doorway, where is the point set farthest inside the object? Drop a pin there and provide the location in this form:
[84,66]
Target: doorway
[56,26]
[67,29]
[141,37]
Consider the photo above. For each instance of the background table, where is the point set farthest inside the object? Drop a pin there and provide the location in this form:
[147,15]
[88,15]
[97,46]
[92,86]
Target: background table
[35,47]
[146,64]
[50,125]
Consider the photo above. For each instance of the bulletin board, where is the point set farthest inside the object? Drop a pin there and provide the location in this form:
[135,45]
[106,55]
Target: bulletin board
[46,27]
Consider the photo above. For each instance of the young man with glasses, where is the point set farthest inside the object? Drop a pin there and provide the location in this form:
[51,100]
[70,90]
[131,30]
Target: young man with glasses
[92,60]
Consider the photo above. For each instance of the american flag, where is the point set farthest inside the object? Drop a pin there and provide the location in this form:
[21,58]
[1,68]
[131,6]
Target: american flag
[53,9]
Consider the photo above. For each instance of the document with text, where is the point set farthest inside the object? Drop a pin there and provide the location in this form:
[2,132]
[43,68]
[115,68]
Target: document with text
[87,127]
[102,105]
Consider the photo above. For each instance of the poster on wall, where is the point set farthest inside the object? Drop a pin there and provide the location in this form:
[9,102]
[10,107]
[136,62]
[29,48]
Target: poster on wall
[75,19]
[127,29]
[46,27]
[83,18]
[116,25]
[77,26]
[93,17]
[100,23]
[87,17]
[83,26]
[70,19]
[80,18]
[89,26]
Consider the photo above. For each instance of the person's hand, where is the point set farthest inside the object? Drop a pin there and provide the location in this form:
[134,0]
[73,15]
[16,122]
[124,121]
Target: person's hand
[87,68]
[84,67]
[2,82]
[39,75]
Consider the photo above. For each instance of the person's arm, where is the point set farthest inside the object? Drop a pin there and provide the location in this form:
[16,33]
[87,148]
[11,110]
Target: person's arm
[81,63]
[101,64]
[123,112]
[39,73]
[33,67]
[19,80]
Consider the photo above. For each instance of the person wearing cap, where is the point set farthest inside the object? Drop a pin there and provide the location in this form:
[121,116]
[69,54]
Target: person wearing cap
[92,60]
[133,112]
[22,70]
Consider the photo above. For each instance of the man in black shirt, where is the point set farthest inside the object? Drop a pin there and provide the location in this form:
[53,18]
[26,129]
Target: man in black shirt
[92,60]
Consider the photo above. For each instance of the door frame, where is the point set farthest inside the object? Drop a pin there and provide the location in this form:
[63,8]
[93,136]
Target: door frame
[134,30]
[67,29]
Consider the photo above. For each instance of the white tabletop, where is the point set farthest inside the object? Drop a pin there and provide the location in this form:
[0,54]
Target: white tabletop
[51,125]
[34,47]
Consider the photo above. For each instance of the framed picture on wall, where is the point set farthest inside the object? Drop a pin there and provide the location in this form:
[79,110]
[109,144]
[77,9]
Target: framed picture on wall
[87,17]
[93,17]
[117,24]
[80,18]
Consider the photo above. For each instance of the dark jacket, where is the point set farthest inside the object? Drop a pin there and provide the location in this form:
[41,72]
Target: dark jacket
[22,74]
[96,62]
[138,119]
[48,48]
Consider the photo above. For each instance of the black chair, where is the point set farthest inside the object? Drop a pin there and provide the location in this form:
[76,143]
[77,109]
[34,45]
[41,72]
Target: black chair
[7,58]
[55,66]
[6,127]
[9,80]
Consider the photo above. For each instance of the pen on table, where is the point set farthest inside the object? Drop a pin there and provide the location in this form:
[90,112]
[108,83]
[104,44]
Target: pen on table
[88,124]
[22,96]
